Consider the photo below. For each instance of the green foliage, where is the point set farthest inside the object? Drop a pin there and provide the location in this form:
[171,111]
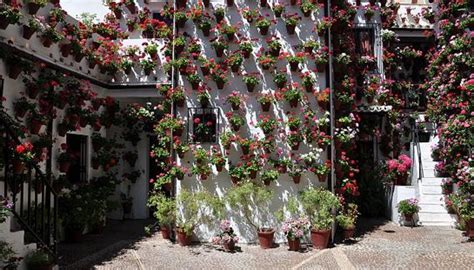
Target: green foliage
[319,205]
[164,208]
[251,199]
[38,259]
[347,216]
[196,208]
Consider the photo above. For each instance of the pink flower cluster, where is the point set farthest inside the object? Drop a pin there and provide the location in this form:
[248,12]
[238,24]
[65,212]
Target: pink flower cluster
[400,165]
[295,228]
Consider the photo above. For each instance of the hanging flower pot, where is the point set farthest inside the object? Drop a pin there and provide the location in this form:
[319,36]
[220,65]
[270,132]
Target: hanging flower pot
[320,238]
[33,8]
[290,29]
[35,126]
[282,168]
[295,146]
[183,238]
[64,166]
[263,30]
[28,32]
[18,166]
[265,106]
[293,103]
[219,52]
[294,65]
[47,42]
[14,71]
[263,3]
[348,233]
[235,180]
[203,176]
[294,244]
[275,52]
[230,3]
[265,237]
[235,127]
[165,232]
[253,174]
[206,3]
[322,177]
[250,87]
[132,8]
[4,22]
[219,167]
[293,2]
[296,179]
[65,49]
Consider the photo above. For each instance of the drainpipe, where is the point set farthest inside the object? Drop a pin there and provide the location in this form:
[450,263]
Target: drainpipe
[330,78]
[173,84]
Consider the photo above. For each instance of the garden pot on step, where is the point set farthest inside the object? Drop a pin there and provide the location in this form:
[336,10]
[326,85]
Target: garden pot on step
[348,233]
[265,237]
[294,244]
[165,232]
[320,238]
[183,238]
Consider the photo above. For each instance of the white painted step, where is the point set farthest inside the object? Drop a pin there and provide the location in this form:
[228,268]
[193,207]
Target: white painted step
[439,224]
[429,173]
[432,208]
[431,180]
[429,164]
[431,198]
[435,217]
[431,189]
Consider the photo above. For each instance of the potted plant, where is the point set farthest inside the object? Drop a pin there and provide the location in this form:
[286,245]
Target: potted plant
[319,205]
[266,61]
[263,24]
[177,96]
[148,65]
[246,47]
[235,100]
[219,76]
[218,160]
[246,198]
[295,229]
[267,124]
[293,95]
[295,60]
[270,176]
[9,15]
[227,30]
[278,9]
[204,98]
[266,100]
[295,172]
[322,170]
[237,173]
[466,212]
[310,45]
[195,208]
[49,35]
[226,237]
[31,27]
[247,145]
[321,58]
[291,20]
[249,14]
[227,138]
[235,120]
[234,61]
[407,208]
[294,139]
[250,80]
[194,79]
[274,45]
[219,13]
[21,106]
[293,123]
[39,260]
[347,219]
[164,210]
[205,26]
[280,79]
[307,7]
[23,155]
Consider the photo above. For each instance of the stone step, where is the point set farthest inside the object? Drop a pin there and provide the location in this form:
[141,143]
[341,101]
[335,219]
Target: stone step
[432,208]
[428,165]
[431,199]
[438,223]
[429,173]
[431,181]
[435,217]
[431,189]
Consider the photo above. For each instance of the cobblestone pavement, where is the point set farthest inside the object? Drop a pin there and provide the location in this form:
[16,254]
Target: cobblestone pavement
[382,245]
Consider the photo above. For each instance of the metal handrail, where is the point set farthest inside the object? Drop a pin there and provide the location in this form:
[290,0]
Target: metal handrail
[40,232]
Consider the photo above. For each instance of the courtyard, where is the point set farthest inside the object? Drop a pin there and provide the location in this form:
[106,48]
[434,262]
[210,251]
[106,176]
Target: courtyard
[379,244]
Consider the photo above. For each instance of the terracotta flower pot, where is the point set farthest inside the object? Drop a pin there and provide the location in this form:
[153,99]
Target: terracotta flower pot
[183,238]
[267,182]
[4,23]
[219,168]
[294,244]
[296,179]
[33,8]
[293,103]
[263,30]
[14,71]
[320,239]
[470,228]
[265,106]
[290,29]
[235,180]
[64,166]
[220,85]
[322,177]
[348,233]
[230,3]
[28,32]
[35,127]
[265,237]
[18,166]
[229,246]
[250,88]
[165,232]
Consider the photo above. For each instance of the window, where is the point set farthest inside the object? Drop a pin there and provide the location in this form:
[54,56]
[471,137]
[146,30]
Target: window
[77,145]
[365,41]
[203,125]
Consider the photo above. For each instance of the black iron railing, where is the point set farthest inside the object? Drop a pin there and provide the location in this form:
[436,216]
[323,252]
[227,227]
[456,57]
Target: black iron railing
[34,198]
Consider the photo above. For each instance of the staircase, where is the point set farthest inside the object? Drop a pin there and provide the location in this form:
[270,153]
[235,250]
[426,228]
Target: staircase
[431,198]
[16,241]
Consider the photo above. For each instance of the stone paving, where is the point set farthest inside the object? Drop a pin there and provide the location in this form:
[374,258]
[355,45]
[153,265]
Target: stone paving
[380,245]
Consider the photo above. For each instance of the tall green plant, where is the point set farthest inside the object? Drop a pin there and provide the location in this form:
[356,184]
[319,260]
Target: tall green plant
[319,205]
[195,208]
[164,208]
[252,200]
